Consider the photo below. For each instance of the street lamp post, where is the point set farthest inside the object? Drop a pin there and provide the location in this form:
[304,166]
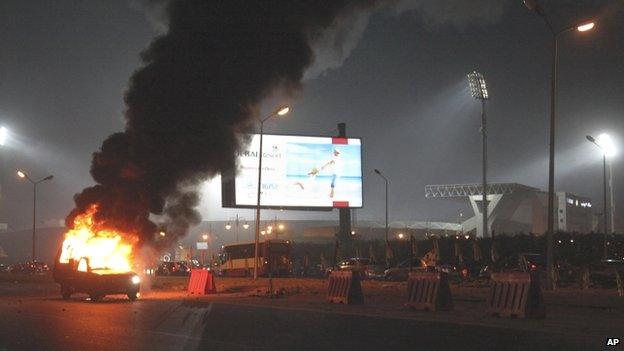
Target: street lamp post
[203,252]
[386,182]
[237,220]
[278,227]
[388,253]
[479,91]
[279,112]
[606,145]
[24,175]
[534,6]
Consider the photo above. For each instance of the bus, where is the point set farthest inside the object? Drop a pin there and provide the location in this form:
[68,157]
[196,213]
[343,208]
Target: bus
[237,260]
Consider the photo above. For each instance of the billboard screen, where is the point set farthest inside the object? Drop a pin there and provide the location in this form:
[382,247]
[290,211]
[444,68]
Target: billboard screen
[300,172]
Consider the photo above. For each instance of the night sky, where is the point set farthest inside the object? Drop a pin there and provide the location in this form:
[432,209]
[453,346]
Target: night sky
[402,88]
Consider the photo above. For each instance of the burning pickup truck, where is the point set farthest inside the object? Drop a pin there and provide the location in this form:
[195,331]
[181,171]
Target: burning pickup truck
[78,277]
[96,261]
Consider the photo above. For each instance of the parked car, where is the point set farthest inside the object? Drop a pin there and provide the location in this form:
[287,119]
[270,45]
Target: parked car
[375,272]
[401,271]
[523,262]
[361,266]
[603,274]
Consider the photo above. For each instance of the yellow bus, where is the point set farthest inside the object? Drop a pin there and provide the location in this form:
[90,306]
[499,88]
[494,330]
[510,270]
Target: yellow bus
[237,260]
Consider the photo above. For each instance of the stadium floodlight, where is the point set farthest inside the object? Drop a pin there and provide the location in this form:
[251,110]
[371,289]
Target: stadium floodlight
[4,135]
[606,144]
[478,88]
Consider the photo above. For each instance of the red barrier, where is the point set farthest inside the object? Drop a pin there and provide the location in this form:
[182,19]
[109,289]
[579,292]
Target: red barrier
[516,295]
[429,291]
[344,287]
[201,282]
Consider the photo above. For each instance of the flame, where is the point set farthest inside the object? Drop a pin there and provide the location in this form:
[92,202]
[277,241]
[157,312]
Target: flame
[102,250]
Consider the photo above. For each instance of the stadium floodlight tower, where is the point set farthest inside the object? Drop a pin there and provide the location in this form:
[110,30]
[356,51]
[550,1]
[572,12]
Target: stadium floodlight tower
[478,89]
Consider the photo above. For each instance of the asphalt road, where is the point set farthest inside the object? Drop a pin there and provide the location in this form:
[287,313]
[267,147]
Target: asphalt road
[45,322]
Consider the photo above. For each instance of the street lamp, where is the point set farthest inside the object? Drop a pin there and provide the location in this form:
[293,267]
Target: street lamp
[478,89]
[605,144]
[24,175]
[237,221]
[282,111]
[581,27]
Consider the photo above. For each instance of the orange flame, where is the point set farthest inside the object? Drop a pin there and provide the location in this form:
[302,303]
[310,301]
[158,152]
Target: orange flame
[107,251]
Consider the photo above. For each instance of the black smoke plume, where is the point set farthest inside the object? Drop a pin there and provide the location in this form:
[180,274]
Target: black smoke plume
[200,84]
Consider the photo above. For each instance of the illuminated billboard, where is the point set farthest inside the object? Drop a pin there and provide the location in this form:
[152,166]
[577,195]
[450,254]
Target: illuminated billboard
[298,172]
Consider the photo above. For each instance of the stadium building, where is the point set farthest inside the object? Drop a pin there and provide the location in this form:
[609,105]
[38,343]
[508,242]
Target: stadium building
[516,208]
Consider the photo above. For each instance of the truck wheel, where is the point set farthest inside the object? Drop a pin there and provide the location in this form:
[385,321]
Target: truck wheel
[133,295]
[66,292]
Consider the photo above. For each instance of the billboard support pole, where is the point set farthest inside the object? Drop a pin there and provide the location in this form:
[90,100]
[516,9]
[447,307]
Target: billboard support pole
[344,234]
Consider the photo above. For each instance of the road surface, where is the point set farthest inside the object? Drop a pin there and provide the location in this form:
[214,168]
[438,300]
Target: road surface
[43,321]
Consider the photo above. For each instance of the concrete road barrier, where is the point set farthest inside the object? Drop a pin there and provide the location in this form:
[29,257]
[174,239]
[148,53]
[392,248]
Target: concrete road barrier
[515,295]
[344,287]
[429,291]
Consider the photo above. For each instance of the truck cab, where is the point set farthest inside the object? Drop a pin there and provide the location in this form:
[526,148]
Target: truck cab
[77,276]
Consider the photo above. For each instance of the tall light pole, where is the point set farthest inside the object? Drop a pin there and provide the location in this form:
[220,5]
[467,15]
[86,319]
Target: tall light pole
[608,150]
[611,202]
[386,182]
[608,146]
[478,89]
[23,175]
[279,112]
[534,6]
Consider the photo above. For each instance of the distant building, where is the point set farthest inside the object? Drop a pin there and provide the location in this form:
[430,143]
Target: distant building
[516,208]
[574,213]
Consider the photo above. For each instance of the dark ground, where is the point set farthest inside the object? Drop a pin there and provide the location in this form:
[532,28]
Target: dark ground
[33,317]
